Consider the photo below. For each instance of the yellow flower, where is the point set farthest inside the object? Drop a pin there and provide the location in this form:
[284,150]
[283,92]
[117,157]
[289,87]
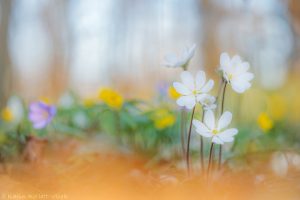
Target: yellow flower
[45,100]
[265,122]
[163,119]
[277,107]
[173,94]
[7,114]
[89,102]
[111,98]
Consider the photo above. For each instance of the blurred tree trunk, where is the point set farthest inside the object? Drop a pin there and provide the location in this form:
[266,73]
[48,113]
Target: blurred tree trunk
[294,8]
[5,62]
[211,17]
[57,28]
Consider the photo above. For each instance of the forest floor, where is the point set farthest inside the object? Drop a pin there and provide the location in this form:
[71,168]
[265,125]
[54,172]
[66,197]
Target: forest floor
[65,172]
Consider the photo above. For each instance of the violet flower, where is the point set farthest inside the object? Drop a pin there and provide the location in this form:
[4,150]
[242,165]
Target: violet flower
[41,114]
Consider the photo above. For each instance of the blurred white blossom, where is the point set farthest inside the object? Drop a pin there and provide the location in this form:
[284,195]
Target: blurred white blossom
[208,102]
[171,60]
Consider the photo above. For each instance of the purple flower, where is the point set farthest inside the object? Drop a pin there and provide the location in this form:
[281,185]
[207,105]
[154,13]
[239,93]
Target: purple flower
[162,88]
[41,114]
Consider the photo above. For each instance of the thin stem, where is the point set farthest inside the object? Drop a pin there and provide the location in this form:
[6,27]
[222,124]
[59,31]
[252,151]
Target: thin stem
[188,142]
[210,158]
[220,157]
[219,89]
[201,148]
[223,98]
[222,110]
[182,132]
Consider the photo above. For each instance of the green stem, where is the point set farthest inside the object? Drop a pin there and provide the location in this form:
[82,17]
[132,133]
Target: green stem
[210,159]
[222,110]
[223,98]
[202,147]
[188,142]
[182,132]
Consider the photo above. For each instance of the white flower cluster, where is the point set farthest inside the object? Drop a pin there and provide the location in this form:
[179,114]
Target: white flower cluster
[193,90]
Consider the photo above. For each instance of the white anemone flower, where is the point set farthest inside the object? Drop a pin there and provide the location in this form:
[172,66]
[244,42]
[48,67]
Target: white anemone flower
[235,72]
[191,90]
[208,102]
[216,129]
[171,60]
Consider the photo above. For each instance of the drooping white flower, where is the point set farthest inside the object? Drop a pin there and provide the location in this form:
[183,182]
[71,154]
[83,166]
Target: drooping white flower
[192,90]
[171,60]
[216,129]
[208,102]
[235,72]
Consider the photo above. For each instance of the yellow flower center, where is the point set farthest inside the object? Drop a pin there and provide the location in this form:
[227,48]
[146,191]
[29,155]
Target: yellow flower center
[215,132]
[7,114]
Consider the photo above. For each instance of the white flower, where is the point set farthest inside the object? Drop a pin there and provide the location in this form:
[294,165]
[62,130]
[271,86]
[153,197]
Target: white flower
[208,102]
[192,90]
[216,129]
[80,119]
[235,72]
[171,60]
[279,164]
[16,105]
[66,100]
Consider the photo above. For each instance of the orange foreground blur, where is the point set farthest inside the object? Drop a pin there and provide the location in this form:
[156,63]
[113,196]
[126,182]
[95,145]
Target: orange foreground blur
[111,175]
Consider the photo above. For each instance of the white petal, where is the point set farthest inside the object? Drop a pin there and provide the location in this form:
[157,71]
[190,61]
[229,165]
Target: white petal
[210,107]
[200,79]
[224,59]
[227,136]
[192,49]
[206,99]
[240,86]
[226,139]
[242,67]
[181,89]
[217,140]
[205,134]
[209,119]
[188,53]
[247,76]
[208,86]
[170,60]
[236,60]
[229,132]
[201,97]
[188,80]
[224,120]
[200,127]
[187,101]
